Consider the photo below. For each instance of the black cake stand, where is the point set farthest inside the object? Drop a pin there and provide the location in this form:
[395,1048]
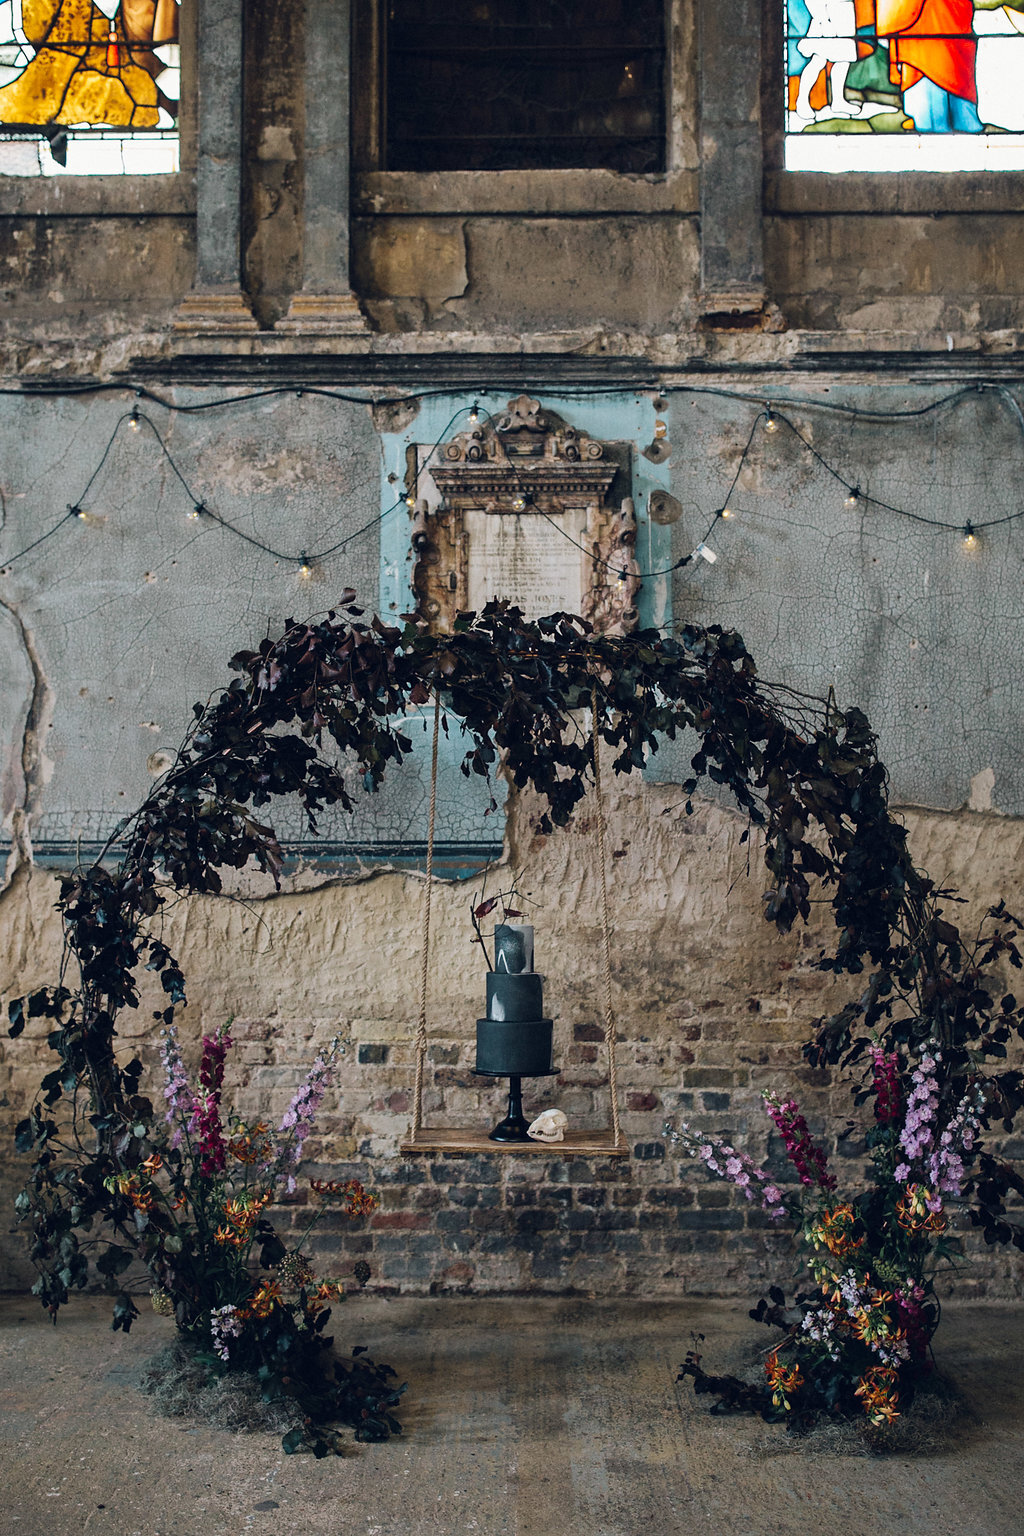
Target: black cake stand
[515,1126]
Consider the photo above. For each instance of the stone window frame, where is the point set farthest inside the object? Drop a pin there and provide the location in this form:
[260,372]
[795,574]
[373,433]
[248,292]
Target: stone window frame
[163,193]
[536,192]
[876,192]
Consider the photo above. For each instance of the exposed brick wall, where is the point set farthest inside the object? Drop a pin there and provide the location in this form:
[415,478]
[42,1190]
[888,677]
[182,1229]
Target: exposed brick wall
[712,1007]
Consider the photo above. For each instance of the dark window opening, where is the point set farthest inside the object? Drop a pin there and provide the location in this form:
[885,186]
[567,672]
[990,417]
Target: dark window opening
[494,85]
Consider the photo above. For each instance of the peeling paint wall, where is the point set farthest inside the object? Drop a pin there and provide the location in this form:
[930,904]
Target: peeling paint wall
[620,302]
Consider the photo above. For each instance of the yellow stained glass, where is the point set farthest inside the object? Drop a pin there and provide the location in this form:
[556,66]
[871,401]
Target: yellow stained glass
[74,62]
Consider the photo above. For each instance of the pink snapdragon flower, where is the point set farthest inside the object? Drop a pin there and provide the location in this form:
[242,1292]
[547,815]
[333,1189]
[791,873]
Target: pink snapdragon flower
[945,1163]
[808,1160]
[205,1123]
[917,1137]
[181,1101]
[719,1157]
[885,1072]
[300,1116]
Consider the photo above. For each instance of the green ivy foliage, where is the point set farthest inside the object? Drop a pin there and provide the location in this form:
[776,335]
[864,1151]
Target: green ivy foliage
[803,771]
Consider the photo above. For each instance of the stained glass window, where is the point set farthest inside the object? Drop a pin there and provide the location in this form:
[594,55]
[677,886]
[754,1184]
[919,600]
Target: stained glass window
[508,84]
[88,87]
[893,85]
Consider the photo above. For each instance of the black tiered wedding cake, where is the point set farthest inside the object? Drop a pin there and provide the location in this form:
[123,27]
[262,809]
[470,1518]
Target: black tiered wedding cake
[514,1040]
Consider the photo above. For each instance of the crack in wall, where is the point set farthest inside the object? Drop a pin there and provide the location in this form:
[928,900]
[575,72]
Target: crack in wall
[36,767]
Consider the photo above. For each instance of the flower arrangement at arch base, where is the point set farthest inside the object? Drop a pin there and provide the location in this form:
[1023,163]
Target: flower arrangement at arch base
[245,1302]
[859,1342]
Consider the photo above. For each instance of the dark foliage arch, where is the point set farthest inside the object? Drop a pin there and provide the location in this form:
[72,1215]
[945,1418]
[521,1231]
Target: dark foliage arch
[792,764]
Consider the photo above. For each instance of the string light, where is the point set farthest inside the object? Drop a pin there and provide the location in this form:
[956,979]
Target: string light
[474,413]
[767,415]
[305,569]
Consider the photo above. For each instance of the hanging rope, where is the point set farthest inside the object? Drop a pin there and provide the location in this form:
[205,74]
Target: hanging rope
[421,1030]
[609,1019]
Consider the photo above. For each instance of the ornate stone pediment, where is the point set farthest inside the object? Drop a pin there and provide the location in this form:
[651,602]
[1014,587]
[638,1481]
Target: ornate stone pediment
[524,515]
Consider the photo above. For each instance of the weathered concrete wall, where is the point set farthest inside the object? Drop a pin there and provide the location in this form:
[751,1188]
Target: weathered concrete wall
[899,617]
[951,274]
[510,275]
[128,618]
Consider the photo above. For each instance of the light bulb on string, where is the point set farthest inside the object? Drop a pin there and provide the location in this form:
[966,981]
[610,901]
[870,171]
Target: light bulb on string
[83,517]
[305,569]
[520,501]
[410,501]
[474,414]
[725,513]
[969,536]
[196,512]
[134,420]
[771,421]
[853,496]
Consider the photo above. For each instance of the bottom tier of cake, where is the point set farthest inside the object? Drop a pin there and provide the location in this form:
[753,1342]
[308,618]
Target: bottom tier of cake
[513,1048]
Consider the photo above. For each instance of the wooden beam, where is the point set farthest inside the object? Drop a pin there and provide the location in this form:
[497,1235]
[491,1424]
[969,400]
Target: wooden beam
[576,1144]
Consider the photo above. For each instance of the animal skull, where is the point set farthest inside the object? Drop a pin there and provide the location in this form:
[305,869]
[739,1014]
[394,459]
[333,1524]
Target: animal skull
[549,1126]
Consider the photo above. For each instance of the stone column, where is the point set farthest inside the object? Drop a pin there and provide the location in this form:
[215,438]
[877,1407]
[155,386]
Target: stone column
[217,302]
[325,301]
[732,156]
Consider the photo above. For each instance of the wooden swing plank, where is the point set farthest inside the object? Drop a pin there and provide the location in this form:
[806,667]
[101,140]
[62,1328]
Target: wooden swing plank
[575,1144]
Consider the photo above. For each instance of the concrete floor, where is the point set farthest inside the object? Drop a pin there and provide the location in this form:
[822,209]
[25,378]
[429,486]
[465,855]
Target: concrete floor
[532,1417]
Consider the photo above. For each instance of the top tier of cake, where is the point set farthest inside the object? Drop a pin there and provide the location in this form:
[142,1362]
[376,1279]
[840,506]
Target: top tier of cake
[513,948]
[515,993]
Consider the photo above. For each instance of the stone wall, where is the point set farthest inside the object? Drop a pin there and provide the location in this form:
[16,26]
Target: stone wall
[711,1007]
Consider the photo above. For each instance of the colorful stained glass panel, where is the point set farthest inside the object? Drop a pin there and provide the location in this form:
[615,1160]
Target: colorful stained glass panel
[891,85]
[88,86]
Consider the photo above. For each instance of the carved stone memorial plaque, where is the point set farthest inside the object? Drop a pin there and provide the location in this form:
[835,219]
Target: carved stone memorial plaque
[527,559]
[525,516]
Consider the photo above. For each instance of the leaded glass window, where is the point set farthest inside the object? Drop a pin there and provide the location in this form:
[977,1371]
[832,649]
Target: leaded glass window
[891,85]
[506,84]
[88,87]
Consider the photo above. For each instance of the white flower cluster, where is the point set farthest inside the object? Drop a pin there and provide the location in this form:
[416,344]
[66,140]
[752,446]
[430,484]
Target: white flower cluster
[225,1324]
[820,1325]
